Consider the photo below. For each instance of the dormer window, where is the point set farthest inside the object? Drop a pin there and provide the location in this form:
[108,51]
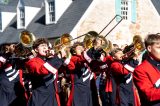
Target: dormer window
[51,11]
[0,22]
[52,18]
[51,6]
[54,9]
[22,18]
[22,13]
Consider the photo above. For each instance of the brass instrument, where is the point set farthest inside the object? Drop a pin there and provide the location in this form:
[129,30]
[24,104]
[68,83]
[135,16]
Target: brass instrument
[135,48]
[64,42]
[26,38]
[24,48]
[89,37]
[88,40]
[108,47]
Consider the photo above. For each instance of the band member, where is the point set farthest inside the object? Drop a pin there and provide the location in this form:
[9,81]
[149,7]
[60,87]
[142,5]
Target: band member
[95,56]
[11,85]
[110,83]
[122,74]
[43,71]
[80,77]
[147,76]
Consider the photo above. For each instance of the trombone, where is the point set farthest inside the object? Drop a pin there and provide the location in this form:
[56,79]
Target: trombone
[119,21]
[108,45]
[69,38]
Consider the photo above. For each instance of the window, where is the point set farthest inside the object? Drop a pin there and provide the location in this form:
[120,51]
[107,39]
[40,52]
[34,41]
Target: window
[22,18]
[0,21]
[52,17]
[22,13]
[51,6]
[124,9]
[22,22]
[51,11]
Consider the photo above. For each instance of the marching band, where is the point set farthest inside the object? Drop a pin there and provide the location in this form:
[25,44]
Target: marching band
[94,72]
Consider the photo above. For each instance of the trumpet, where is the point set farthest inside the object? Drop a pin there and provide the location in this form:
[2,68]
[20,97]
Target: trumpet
[134,49]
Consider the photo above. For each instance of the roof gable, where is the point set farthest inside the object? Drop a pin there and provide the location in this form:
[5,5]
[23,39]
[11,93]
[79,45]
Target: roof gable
[37,26]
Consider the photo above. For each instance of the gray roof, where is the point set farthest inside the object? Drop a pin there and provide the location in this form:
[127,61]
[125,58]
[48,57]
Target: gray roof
[64,25]
[33,3]
[10,6]
[50,0]
[156,4]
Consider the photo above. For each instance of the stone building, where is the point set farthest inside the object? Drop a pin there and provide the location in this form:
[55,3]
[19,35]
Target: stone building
[140,17]
[77,17]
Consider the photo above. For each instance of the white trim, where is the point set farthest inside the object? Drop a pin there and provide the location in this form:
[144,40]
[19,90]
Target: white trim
[55,76]
[92,75]
[11,72]
[85,72]
[14,76]
[157,83]
[87,57]
[66,62]
[129,79]
[128,67]
[84,79]
[2,59]
[7,69]
[50,68]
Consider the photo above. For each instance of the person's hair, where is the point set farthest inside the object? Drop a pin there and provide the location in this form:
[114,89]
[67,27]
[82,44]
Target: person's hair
[3,50]
[151,39]
[40,41]
[94,33]
[115,45]
[99,38]
[73,48]
[114,51]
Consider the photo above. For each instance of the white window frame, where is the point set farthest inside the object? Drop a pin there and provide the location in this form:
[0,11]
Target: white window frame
[51,17]
[0,22]
[51,11]
[51,6]
[22,18]
[21,13]
[22,22]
